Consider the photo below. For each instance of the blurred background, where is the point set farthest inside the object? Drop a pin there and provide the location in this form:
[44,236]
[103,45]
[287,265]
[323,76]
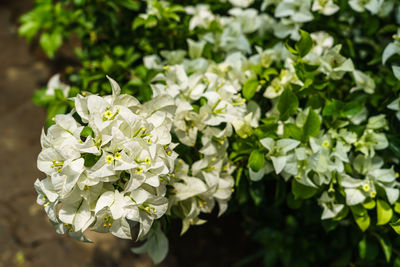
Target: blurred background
[27,238]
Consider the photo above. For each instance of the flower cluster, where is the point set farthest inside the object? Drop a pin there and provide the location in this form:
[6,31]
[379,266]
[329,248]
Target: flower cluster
[107,164]
[208,105]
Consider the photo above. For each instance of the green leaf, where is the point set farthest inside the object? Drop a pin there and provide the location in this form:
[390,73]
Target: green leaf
[290,48]
[137,22]
[151,22]
[370,204]
[256,160]
[394,145]
[59,94]
[368,249]
[352,108]
[129,4]
[90,159]
[362,248]
[79,2]
[312,125]
[287,104]
[396,226]
[269,72]
[250,88]
[386,246]
[291,130]
[305,44]
[332,108]
[396,262]
[384,212]
[50,42]
[361,217]
[292,202]
[301,191]
[29,29]
[156,244]
[397,207]
[41,99]
[257,192]
[87,131]
[54,109]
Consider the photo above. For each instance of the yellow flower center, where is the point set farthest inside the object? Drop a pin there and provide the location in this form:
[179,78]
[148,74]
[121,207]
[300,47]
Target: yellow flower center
[148,161]
[109,159]
[108,114]
[366,187]
[117,156]
[325,144]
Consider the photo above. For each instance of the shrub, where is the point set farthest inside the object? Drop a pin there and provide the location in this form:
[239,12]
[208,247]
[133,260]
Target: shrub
[285,111]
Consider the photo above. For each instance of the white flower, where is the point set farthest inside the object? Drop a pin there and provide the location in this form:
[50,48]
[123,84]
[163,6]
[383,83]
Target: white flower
[363,82]
[326,7]
[392,48]
[241,3]
[287,27]
[371,141]
[371,5]
[202,16]
[297,10]
[277,151]
[279,83]
[331,209]
[358,190]
[323,41]
[54,84]
[247,18]
[335,65]
[395,105]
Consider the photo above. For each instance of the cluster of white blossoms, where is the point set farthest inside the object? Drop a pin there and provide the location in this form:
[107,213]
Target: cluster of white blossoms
[107,164]
[208,105]
[327,160]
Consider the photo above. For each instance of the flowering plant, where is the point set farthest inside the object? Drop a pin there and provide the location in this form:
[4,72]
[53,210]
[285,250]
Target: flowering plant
[238,96]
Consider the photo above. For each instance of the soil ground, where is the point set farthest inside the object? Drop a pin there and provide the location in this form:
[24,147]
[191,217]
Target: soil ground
[27,238]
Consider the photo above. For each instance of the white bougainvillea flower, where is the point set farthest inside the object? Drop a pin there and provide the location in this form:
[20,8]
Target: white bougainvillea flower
[47,197]
[241,3]
[358,190]
[392,48]
[371,168]
[371,141]
[330,208]
[201,16]
[326,7]
[278,151]
[335,65]
[279,84]
[361,5]
[395,105]
[55,83]
[287,27]
[297,10]
[363,82]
